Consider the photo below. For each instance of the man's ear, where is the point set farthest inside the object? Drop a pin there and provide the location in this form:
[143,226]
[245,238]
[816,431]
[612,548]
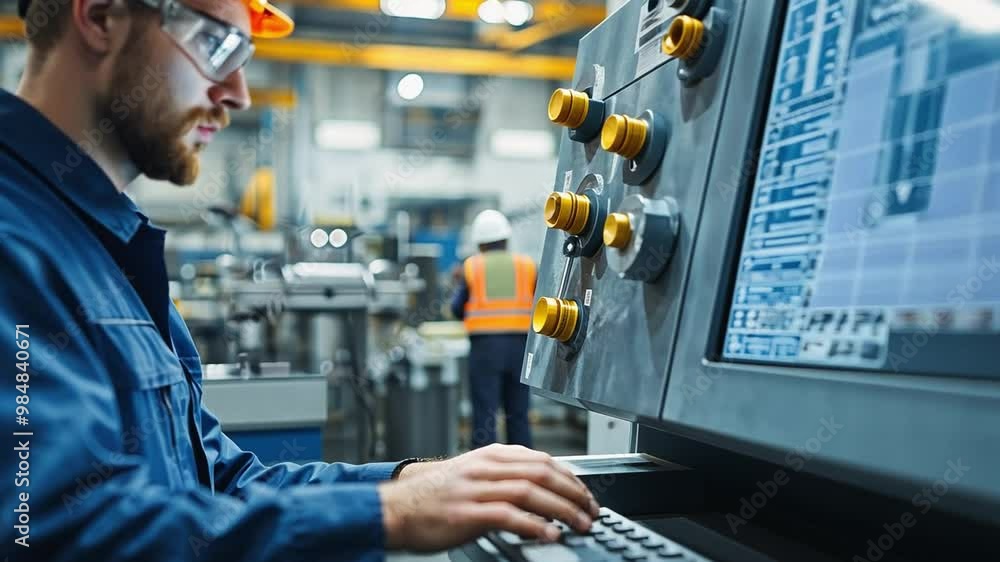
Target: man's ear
[95,20]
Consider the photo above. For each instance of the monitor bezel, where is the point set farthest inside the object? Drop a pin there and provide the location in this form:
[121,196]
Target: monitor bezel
[903,427]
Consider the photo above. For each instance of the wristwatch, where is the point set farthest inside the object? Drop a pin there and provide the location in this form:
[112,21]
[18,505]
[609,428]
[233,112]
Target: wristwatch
[407,462]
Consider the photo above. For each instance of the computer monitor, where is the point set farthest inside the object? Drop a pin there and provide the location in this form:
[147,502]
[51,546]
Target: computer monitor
[873,235]
[845,272]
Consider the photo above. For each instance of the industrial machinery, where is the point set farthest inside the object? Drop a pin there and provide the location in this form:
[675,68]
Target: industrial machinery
[316,334]
[773,247]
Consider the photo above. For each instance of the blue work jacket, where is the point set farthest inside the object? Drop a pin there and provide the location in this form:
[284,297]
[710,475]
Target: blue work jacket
[118,459]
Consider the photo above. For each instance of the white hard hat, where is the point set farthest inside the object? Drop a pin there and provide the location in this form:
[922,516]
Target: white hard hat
[490,226]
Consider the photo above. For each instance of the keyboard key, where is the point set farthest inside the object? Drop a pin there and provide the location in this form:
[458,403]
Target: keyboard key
[549,553]
[604,538]
[621,526]
[513,539]
[651,542]
[670,551]
[616,546]
[635,534]
[576,540]
[635,556]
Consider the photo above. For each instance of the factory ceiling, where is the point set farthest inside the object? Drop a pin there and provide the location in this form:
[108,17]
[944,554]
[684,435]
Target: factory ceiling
[359,33]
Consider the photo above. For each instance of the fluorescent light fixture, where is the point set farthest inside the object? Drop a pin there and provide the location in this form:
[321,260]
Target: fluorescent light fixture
[319,238]
[338,237]
[492,11]
[981,16]
[523,143]
[517,12]
[410,87]
[347,135]
[420,9]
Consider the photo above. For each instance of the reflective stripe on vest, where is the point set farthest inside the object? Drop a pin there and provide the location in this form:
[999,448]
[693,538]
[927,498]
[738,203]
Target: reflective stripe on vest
[501,293]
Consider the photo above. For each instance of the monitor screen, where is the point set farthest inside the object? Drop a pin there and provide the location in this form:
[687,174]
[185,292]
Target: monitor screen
[873,234]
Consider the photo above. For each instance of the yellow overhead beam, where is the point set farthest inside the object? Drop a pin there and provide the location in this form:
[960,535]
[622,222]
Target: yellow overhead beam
[419,59]
[468,10]
[446,60]
[552,20]
[11,27]
[542,31]
[454,9]
[273,97]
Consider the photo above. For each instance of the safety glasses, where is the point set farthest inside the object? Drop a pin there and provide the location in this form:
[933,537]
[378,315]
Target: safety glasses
[217,48]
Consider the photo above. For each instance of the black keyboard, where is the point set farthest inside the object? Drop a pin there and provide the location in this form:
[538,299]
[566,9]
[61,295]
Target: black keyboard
[612,538]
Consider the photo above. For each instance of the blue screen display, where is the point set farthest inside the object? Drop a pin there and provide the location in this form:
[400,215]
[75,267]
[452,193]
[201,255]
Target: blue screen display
[874,225]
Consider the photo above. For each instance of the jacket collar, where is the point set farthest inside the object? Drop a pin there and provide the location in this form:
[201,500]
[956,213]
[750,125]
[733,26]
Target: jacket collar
[32,138]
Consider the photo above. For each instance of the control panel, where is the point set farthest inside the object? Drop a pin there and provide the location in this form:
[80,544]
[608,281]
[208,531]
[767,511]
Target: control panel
[641,120]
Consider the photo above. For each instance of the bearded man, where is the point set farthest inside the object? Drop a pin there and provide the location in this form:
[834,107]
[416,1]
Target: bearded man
[115,456]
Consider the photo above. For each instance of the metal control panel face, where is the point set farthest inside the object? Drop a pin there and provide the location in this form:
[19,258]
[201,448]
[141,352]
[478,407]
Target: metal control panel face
[645,177]
[874,226]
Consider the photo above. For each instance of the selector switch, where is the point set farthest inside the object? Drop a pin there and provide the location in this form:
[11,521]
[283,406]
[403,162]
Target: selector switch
[684,38]
[576,110]
[642,141]
[696,41]
[624,135]
[556,318]
[568,107]
[641,237]
[567,211]
[618,230]
[581,214]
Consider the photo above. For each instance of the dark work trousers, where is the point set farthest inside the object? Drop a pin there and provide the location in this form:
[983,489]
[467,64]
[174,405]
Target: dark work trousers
[495,380]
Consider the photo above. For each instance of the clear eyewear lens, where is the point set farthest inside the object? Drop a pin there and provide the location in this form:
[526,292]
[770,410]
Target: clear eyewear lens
[216,48]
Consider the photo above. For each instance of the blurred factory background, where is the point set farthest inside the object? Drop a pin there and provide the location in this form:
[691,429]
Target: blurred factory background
[313,259]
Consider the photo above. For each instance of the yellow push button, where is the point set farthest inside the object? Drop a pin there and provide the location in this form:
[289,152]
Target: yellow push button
[618,230]
[568,107]
[624,135]
[567,211]
[556,318]
[683,38]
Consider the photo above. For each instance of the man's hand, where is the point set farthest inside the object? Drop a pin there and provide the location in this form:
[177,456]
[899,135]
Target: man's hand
[440,505]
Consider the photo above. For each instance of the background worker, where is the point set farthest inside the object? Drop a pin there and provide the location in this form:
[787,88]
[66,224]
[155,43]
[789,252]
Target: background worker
[494,297]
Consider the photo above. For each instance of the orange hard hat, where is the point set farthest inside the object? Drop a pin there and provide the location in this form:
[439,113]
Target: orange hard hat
[268,22]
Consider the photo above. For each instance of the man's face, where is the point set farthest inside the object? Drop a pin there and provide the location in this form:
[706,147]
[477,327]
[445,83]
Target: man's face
[180,109]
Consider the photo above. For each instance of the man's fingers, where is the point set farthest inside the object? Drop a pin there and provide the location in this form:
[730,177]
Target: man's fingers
[519,454]
[514,453]
[532,498]
[504,516]
[541,474]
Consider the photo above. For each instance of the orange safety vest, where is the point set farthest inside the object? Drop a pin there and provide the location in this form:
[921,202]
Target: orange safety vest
[501,293]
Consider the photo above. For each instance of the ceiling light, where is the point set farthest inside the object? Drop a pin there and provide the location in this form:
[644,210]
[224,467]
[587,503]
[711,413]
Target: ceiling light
[338,237]
[421,9]
[334,134]
[319,238]
[517,12]
[492,11]
[410,86]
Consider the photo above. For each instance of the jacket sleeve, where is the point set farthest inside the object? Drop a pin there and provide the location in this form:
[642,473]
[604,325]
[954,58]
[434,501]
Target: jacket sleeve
[237,471]
[460,299]
[86,498]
